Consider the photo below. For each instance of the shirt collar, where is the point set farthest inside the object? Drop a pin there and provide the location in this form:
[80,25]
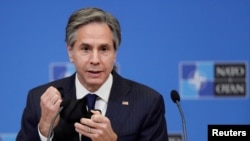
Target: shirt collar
[103,92]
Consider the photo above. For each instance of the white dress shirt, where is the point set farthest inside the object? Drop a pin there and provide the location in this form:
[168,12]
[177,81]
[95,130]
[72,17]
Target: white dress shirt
[102,93]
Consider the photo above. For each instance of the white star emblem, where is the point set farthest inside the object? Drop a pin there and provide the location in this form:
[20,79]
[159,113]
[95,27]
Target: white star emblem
[197,80]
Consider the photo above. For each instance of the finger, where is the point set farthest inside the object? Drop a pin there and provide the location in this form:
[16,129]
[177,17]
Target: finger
[96,111]
[54,98]
[58,103]
[54,91]
[86,121]
[52,95]
[84,129]
[46,96]
[51,99]
[98,118]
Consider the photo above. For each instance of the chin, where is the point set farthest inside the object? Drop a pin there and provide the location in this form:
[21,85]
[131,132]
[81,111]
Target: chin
[95,82]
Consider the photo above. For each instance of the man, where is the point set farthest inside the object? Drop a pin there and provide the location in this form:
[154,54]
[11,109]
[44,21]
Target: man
[128,111]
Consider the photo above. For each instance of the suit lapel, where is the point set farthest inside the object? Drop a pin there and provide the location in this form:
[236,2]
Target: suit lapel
[119,104]
[69,90]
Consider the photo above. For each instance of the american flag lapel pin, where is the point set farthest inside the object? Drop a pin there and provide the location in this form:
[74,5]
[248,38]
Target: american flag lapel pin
[125,103]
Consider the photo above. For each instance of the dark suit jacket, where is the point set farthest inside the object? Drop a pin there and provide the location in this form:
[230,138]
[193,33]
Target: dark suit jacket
[141,120]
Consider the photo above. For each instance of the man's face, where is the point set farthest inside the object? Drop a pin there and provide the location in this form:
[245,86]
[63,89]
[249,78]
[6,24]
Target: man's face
[93,54]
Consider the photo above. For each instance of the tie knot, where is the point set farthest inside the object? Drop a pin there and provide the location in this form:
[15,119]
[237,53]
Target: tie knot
[91,98]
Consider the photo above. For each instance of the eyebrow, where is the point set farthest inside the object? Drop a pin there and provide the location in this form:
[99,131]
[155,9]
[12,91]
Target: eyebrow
[89,45]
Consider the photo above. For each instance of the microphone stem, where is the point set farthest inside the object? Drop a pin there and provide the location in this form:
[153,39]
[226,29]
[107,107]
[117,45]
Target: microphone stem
[183,121]
[52,123]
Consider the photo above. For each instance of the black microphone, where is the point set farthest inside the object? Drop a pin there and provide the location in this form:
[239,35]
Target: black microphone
[176,99]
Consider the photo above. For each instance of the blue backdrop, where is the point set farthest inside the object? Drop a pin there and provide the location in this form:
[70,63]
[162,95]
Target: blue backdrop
[157,36]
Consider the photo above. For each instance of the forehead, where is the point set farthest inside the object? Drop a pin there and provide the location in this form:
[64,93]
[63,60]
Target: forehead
[94,30]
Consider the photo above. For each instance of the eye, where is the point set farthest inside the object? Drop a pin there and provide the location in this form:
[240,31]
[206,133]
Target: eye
[104,48]
[85,48]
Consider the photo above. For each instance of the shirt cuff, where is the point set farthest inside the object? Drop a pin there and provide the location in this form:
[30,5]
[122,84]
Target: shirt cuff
[43,138]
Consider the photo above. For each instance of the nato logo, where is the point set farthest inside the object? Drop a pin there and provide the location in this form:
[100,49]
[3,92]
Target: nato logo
[213,79]
[60,70]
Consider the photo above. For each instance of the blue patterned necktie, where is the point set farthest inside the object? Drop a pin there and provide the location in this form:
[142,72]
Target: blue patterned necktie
[91,98]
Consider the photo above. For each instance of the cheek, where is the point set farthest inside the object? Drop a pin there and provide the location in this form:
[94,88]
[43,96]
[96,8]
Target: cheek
[109,62]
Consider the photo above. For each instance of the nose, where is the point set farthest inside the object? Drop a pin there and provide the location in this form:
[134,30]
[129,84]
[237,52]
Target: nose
[95,57]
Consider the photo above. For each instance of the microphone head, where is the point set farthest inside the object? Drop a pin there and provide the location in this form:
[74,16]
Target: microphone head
[175,96]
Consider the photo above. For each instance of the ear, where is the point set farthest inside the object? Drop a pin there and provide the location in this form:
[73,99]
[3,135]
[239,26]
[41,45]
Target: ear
[115,57]
[70,53]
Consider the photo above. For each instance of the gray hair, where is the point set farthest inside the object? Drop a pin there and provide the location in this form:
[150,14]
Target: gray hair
[88,15]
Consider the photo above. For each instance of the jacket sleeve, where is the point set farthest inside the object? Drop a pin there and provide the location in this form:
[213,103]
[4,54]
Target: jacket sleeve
[30,119]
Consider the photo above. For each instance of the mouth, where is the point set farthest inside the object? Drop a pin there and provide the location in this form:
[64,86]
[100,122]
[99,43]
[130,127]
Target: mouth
[94,73]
